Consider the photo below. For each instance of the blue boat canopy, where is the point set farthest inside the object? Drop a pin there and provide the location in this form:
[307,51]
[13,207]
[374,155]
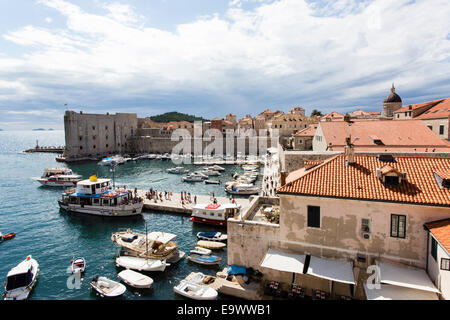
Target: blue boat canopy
[234,269]
[207,234]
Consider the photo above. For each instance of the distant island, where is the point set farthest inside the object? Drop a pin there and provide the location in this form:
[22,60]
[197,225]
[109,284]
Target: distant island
[176,116]
[39,129]
[51,129]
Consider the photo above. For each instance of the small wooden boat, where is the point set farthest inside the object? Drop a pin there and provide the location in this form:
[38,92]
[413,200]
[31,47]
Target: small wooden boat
[212,182]
[205,260]
[212,236]
[201,251]
[141,264]
[107,287]
[21,279]
[195,291]
[213,245]
[78,265]
[9,236]
[135,279]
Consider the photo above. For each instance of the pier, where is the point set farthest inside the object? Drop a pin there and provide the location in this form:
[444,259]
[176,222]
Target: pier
[174,204]
[48,149]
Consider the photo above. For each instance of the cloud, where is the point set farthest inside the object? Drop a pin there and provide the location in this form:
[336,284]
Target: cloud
[327,55]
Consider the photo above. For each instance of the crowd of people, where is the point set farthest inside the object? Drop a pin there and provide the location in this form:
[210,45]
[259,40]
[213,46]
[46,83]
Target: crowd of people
[185,197]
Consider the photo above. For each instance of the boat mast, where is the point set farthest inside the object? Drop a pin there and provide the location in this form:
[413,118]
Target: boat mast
[146,242]
[113,170]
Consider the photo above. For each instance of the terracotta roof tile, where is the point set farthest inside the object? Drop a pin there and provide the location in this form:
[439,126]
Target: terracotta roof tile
[334,179]
[440,110]
[441,231]
[309,131]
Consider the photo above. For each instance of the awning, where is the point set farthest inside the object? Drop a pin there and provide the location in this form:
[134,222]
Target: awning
[281,261]
[389,292]
[404,277]
[340,271]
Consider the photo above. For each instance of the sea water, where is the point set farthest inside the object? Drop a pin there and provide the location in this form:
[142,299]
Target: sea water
[53,237]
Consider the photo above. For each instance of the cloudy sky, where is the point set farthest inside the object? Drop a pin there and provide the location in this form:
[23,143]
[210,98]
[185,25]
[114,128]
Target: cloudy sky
[211,57]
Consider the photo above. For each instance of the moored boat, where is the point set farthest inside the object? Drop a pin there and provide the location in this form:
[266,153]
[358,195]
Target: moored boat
[141,264]
[204,259]
[155,245]
[212,182]
[213,245]
[8,235]
[201,251]
[78,265]
[97,197]
[241,188]
[214,213]
[177,170]
[135,279]
[212,236]
[21,279]
[107,287]
[59,180]
[195,291]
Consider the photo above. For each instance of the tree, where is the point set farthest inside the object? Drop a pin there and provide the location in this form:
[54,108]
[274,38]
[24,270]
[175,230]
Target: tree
[316,112]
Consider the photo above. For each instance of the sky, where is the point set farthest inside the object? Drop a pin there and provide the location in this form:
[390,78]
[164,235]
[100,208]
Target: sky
[213,57]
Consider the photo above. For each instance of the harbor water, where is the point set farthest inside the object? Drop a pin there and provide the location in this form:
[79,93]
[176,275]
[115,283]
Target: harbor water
[54,237]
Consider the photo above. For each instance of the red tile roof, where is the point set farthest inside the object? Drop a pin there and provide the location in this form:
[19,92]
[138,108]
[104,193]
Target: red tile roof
[411,107]
[441,232]
[405,135]
[309,131]
[335,179]
[440,110]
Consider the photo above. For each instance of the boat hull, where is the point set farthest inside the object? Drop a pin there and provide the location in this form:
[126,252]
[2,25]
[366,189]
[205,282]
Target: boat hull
[117,211]
[141,264]
[23,292]
[191,291]
[58,183]
[209,221]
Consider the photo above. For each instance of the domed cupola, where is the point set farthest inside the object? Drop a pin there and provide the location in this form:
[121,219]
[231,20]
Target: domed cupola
[392,96]
[392,103]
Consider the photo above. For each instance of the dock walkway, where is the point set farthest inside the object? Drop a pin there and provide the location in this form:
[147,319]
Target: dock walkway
[174,204]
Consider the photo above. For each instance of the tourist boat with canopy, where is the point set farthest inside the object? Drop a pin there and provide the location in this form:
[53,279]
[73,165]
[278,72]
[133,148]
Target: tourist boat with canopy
[59,177]
[135,279]
[154,245]
[97,197]
[214,213]
[212,236]
[107,287]
[21,279]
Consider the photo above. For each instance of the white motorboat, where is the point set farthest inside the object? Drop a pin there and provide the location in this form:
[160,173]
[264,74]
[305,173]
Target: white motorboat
[193,178]
[110,161]
[177,256]
[57,171]
[212,236]
[60,180]
[214,213]
[209,172]
[135,279]
[212,182]
[107,287]
[141,264]
[201,251]
[78,265]
[195,291]
[21,279]
[217,168]
[177,170]
[241,188]
[96,196]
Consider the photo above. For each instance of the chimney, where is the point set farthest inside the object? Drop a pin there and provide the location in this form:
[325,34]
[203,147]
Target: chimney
[283,178]
[349,152]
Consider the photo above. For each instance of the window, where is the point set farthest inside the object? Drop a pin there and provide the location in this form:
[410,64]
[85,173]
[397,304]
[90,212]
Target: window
[81,138]
[391,180]
[398,226]
[365,225]
[431,127]
[106,127]
[434,247]
[313,216]
[93,127]
[445,264]
[441,129]
[81,147]
[107,145]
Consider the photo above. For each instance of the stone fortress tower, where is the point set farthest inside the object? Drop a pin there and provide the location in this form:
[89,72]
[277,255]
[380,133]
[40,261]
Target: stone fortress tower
[392,103]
